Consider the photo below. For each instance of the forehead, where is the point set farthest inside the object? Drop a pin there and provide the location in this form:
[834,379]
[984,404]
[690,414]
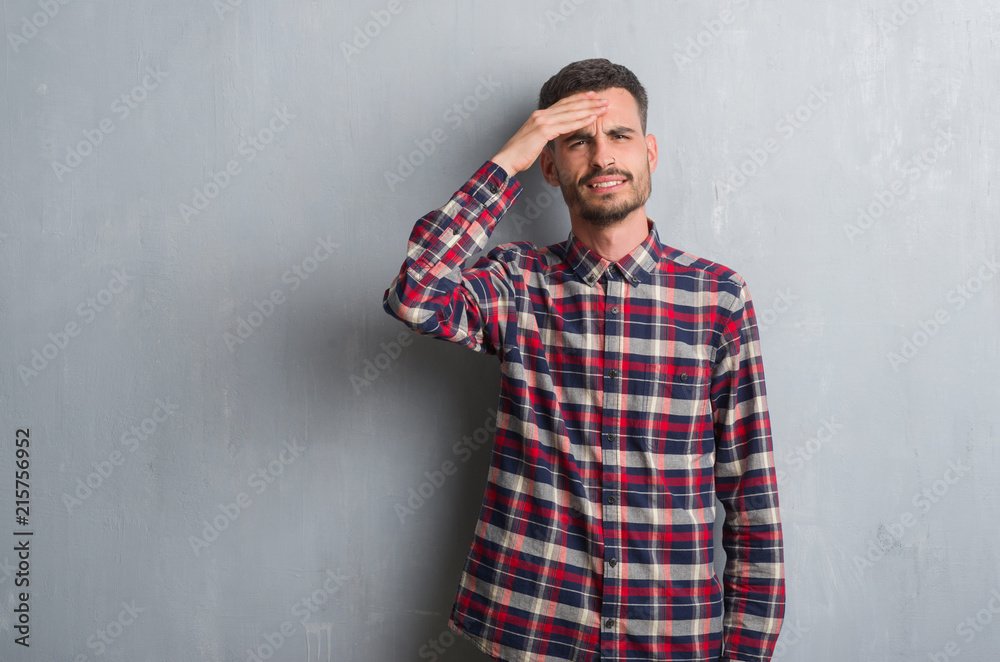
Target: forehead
[622,108]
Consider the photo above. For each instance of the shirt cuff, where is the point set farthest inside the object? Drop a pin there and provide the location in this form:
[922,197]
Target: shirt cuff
[491,183]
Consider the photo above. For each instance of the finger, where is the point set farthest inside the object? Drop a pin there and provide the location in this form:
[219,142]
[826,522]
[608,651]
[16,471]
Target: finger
[576,97]
[574,118]
[576,108]
[578,102]
[576,111]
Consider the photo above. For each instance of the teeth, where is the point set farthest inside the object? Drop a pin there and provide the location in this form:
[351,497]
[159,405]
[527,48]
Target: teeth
[607,184]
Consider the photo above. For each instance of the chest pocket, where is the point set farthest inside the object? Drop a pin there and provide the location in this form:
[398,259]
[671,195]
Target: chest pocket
[676,392]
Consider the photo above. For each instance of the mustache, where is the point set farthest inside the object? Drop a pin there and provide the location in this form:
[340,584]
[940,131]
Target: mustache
[605,173]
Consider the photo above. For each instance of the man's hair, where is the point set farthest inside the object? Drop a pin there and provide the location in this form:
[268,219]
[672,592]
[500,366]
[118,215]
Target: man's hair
[596,74]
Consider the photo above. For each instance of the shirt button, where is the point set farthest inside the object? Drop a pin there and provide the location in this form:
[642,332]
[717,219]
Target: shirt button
[493,188]
[613,562]
[611,437]
[610,623]
[612,500]
[684,376]
[614,309]
[612,373]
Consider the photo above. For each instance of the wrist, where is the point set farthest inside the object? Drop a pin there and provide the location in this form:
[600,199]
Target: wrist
[504,163]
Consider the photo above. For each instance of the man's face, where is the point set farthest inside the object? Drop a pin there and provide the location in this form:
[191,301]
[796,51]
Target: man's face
[604,169]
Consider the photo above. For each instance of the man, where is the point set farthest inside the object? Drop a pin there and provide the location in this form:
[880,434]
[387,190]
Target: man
[632,395]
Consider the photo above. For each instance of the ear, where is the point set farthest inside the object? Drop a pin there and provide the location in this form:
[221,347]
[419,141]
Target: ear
[651,151]
[546,161]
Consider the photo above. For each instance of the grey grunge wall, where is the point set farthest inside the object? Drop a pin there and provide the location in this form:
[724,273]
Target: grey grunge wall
[217,446]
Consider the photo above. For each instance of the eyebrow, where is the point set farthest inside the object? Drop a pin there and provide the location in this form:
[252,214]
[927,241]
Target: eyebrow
[615,130]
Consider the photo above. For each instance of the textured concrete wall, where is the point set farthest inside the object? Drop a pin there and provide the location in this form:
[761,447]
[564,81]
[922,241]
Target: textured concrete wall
[203,202]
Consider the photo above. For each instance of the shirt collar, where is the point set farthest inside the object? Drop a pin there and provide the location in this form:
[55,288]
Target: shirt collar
[636,267]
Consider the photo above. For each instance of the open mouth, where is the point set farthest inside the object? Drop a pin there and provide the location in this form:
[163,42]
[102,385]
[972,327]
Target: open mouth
[606,184]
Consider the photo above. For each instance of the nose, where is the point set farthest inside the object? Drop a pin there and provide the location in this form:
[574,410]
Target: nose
[601,156]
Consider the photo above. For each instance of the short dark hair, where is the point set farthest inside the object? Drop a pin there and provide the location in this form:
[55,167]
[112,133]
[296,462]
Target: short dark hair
[595,74]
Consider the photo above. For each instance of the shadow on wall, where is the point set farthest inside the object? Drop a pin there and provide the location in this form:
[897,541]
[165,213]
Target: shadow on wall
[438,509]
[433,510]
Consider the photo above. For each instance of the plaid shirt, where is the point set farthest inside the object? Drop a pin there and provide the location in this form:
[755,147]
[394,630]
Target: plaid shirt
[632,395]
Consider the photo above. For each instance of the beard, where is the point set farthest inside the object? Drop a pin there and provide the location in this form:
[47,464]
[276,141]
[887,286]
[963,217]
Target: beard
[606,212]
